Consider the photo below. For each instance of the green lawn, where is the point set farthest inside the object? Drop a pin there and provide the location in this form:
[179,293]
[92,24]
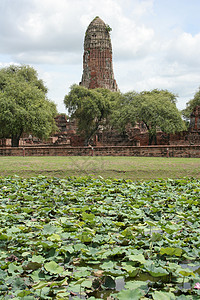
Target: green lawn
[135,168]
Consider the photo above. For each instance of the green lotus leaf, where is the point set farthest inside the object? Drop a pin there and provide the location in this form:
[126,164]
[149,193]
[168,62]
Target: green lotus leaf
[183,297]
[132,271]
[88,217]
[158,295]
[171,251]
[14,269]
[132,285]
[5,237]
[49,229]
[54,237]
[137,257]
[108,265]
[128,233]
[53,268]
[37,276]
[81,272]
[24,294]
[156,271]
[171,228]
[86,283]
[18,283]
[156,237]
[37,258]
[130,294]
[31,265]
[109,282]
[151,223]
[186,272]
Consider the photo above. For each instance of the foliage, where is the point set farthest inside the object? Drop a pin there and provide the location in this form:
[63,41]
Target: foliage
[156,109]
[124,111]
[191,105]
[108,28]
[77,237]
[90,108]
[24,106]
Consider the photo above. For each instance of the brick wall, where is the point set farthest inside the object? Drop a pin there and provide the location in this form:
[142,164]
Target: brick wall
[150,151]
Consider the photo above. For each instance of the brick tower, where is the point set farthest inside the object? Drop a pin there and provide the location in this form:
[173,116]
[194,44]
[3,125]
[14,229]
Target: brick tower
[97,57]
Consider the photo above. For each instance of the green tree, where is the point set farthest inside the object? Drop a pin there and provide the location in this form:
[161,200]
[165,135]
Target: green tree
[24,104]
[90,107]
[156,109]
[125,111]
[191,105]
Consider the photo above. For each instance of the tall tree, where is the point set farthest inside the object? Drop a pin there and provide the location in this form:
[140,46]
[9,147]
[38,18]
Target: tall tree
[90,107]
[191,105]
[156,109]
[24,106]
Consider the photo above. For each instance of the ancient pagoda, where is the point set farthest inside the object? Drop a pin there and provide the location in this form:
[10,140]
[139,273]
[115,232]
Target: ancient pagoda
[97,57]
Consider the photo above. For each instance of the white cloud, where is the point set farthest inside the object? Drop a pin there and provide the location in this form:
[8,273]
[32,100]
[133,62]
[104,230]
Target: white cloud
[185,48]
[135,41]
[59,26]
[50,57]
[142,7]
[151,48]
[44,25]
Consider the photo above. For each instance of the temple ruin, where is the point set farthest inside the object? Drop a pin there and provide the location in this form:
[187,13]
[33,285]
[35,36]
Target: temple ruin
[97,57]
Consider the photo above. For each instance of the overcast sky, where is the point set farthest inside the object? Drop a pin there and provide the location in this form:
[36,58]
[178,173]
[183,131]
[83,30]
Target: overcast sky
[156,43]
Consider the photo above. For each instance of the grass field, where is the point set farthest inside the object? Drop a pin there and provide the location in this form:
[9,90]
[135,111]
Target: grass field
[135,168]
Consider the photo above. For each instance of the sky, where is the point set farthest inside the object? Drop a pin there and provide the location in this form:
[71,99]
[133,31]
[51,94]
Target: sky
[155,43]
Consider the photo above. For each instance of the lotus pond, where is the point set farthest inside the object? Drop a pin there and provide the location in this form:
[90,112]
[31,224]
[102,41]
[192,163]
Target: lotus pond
[87,238]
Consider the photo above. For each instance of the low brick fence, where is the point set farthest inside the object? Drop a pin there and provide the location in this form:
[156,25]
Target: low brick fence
[148,151]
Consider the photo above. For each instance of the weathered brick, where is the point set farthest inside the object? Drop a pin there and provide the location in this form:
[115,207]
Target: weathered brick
[97,57]
[148,151]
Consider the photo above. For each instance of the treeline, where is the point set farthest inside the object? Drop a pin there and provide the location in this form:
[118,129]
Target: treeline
[25,108]
[101,108]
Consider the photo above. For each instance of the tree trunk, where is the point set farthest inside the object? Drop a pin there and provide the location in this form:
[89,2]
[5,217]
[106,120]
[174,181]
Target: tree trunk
[15,140]
[86,141]
[150,139]
[90,134]
[155,139]
[168,139]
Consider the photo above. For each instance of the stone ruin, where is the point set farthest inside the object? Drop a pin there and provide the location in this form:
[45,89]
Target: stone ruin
[195,119]
[194,129]
[97,57]
[136,136]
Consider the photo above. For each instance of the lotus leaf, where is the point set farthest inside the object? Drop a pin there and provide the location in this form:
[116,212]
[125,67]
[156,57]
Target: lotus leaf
[130,294]
[158,295]
[53,268]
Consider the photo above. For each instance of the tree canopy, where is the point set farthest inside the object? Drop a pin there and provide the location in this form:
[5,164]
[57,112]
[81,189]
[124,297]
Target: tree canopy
[24,104]
[156,109]
[94,108]
[191,105]
[90,107]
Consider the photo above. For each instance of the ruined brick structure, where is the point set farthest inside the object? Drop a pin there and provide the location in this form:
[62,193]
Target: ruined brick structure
[193,136]
[97,57]
[67,132]
[195,119]
[133,136]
